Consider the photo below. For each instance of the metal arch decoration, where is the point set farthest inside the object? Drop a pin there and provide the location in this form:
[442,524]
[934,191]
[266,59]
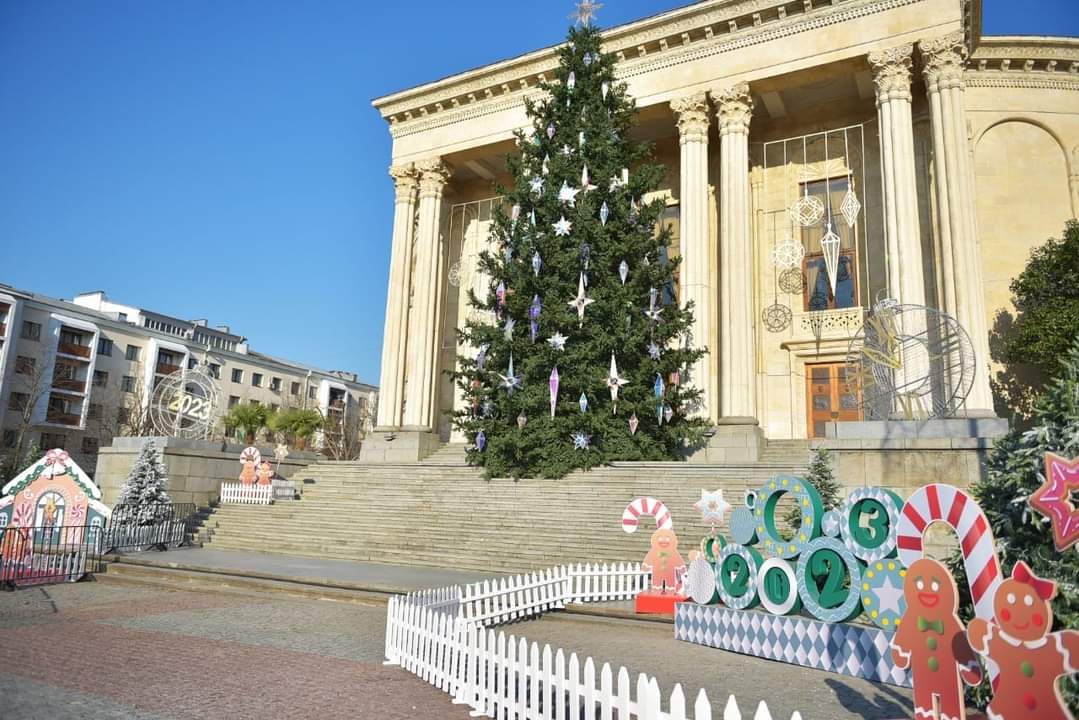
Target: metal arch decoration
[777,318]
[910,360]
[792,281]
[185,403]
[788,253]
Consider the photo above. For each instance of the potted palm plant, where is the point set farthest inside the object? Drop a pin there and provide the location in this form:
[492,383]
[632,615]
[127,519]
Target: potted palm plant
[298,425]
[250,418]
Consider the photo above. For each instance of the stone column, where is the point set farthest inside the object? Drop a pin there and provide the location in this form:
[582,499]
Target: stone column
[423,321]
[891,73]
[697,276]
[738,347]
[964,295]
[394,344]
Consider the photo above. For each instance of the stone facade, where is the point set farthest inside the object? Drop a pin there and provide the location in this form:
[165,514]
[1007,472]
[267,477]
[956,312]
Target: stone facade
[196,468]
[962,152]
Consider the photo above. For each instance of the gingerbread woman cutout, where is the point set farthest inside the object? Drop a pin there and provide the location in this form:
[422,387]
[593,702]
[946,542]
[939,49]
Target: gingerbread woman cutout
[265,473]
[1029,658]
[931,641]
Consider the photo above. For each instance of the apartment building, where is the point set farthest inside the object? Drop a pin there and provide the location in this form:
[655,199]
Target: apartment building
[74,374]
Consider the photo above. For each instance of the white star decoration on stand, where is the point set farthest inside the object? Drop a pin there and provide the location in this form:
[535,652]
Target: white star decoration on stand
[557,341]
[712,507]
[614,381]
[562,227]
[568,194]
[580,302]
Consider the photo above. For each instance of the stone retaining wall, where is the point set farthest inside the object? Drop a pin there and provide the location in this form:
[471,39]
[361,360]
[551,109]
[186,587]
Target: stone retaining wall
[196,467]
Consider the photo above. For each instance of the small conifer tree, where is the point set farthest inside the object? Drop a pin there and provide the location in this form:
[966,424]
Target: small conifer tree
[821,477]
[145,492]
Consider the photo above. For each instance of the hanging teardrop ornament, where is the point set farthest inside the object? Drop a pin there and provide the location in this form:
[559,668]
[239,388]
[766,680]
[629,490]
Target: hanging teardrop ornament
[623,271]
[571,81]
[537,263]
[604,213]
[604,88]
[550,131]
[583,403]
[633,423]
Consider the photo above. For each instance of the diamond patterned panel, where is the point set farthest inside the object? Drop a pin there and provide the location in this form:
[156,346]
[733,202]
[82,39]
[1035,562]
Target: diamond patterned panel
[856,650]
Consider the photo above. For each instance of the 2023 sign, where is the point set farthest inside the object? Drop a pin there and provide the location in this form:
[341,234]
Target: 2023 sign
[190,406]
[835,564]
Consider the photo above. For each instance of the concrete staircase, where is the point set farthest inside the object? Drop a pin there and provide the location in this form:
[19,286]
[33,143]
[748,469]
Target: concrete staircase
[442,513]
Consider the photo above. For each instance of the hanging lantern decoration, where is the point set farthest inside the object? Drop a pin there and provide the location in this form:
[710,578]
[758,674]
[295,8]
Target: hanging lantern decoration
[788,252]
[553,385]
[829,246]
[850,206]
[807,210]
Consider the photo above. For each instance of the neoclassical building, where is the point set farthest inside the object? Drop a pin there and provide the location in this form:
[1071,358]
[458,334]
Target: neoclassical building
[934,157]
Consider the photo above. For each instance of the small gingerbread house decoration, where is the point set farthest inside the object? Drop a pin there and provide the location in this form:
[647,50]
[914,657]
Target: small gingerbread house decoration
[53,492]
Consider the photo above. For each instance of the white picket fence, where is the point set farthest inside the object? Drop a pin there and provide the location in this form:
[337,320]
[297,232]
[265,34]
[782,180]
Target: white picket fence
[443,636]
[235,492]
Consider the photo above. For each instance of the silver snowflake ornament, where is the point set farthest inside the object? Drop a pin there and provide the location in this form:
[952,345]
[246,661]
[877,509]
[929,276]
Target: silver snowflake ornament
[562,227]
[557,341]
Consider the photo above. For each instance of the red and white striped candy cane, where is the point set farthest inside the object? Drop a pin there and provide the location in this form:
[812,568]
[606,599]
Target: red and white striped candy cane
[646,506]
[955,508]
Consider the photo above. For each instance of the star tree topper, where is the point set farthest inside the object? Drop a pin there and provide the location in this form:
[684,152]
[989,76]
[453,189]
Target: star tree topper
[586,10]
[1053,499]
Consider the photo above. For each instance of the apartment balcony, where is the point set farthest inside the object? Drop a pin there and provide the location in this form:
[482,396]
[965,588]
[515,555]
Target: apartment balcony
[57,417]
[166,368]
[69,384]
[74,350]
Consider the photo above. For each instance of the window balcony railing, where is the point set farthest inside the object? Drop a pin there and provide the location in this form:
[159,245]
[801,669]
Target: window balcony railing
[61,418]
[71,384]
[164,368]
[69,348]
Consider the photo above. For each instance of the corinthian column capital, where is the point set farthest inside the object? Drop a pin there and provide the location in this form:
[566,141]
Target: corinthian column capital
[692,114]
[734,106]
[944,59]
[891,72]
[405,180]
[433,174]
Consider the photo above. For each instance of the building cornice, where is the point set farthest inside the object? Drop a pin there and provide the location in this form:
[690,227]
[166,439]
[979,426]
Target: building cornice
[1044,63]
[680,36]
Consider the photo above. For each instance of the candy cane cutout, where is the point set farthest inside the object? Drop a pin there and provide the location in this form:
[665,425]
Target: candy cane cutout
[646,506]
[251,454]
[955,508]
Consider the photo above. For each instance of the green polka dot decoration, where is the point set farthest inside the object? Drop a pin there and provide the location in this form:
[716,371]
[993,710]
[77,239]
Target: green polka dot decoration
[764,512]
[743,527]
[882,593]
[830,524]
[830,562]
[736,576]
[777,586]
[870,520]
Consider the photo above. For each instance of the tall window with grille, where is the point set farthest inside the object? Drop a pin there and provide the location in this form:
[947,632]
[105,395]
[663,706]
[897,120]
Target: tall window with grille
[818,294]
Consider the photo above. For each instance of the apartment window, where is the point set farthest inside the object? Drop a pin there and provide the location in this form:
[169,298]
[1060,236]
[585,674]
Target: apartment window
[101,378]
[18,401]
[128,384]
[104,347]
[132,353]
[234,400]
[256,379]
[52,440]
[294,388]
[93,412]
[237,375]
[31,330]
[215,371]
[70,337]
[25,365]
[90,445]
[123,415]
[10,436]
[275,384]
[191,363]
[122,317]
[312,392]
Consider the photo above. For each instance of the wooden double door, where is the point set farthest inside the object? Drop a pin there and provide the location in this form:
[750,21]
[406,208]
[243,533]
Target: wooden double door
[829,397]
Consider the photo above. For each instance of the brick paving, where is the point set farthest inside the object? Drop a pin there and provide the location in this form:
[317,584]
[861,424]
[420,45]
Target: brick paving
[115,651]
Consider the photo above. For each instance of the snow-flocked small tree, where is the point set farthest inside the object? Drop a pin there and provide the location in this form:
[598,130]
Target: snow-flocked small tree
[822,477]
[145,492]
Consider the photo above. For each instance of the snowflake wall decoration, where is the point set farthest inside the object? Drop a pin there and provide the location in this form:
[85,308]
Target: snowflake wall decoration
[777,318]
[788,253]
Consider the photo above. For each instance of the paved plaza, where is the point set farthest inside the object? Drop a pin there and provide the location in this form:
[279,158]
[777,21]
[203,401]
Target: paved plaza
[115,650]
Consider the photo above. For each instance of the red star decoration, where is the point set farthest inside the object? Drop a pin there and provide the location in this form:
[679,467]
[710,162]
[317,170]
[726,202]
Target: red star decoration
[1053,499]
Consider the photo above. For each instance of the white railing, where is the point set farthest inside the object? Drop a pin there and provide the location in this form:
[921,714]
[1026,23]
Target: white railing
[443,636]
[235,492]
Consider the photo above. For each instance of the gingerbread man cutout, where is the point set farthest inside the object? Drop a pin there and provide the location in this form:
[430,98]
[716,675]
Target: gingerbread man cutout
[248,473]
[1028,656]
[665,562]
[931,641]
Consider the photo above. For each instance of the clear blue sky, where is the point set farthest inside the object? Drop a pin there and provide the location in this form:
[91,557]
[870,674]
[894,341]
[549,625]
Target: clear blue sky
[223,160]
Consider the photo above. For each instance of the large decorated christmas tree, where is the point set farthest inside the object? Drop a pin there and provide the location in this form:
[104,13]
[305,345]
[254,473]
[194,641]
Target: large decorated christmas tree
[581,353]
